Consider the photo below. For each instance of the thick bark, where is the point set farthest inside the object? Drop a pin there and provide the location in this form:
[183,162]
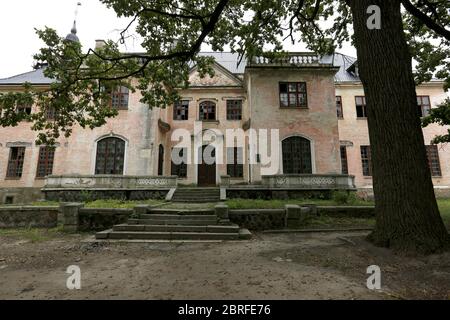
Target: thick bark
[407,216]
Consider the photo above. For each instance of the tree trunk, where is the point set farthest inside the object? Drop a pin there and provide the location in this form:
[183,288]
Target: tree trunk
[407,216]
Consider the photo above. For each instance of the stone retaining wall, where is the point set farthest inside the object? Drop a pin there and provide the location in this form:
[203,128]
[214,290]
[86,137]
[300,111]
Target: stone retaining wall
[101,219]
[64,195]
[28,217]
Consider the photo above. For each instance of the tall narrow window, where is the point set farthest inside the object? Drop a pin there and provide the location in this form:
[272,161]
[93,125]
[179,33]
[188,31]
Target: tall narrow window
[361,111]
[180,169]
[45,162]
[340,112]
[110,156]
[15,162]
[433,160]
[161,160]
[181,110]
[119,98]
[366,160]
[234,109]
[235,163]
[296,155]
[423,105]
[344,162]
[50,113]
[25,108]
[207,110]
[293,95]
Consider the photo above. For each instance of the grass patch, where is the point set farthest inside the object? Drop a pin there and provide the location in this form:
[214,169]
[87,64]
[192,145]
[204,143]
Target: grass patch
[113,204]
[444,209]
[33,235]
[339,222]
[279,204]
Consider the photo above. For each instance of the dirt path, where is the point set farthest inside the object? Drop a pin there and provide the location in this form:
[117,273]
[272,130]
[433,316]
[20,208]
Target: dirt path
[293,266]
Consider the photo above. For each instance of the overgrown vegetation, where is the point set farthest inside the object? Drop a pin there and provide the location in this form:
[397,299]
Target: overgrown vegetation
[108,203]
[33,235]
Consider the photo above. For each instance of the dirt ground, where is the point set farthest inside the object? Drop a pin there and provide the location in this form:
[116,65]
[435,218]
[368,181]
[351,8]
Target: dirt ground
[271,266]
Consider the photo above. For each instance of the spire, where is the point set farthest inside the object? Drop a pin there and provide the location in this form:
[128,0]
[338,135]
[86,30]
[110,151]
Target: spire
[72,36]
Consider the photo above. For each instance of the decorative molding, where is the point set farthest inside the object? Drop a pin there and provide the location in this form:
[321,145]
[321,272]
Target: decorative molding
[207,99]
[346,143]
[243,98]
[57,145]
[18,144]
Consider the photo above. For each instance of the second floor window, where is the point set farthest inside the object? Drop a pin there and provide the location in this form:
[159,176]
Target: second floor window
[207,110]
[361,110]
[15,162]
[119,98]
[433,160]
[366,160]
[293,95]
[234,109]
[423,105]
[24,108]
[45,162]
[340,113]
[181,110]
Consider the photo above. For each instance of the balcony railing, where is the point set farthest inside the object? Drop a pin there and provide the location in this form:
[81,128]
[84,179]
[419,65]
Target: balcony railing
[302,59]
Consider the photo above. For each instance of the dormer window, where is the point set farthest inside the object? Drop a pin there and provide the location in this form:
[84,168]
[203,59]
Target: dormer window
[119,98]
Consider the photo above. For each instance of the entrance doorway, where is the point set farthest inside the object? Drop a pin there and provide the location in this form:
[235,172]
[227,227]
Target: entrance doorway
[207,167]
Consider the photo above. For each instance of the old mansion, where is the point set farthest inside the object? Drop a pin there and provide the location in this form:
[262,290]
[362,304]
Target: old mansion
[316,103]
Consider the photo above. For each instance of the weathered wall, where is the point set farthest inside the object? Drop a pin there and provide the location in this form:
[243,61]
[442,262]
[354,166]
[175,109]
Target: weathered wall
[356,131]
[28,217]
[20,195]
[318,123]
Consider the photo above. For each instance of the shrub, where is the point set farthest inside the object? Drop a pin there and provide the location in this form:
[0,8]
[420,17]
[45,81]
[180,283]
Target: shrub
[344,197]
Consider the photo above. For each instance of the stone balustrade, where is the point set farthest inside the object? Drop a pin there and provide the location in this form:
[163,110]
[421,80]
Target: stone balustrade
[292,59]
[110,182]
[310,181]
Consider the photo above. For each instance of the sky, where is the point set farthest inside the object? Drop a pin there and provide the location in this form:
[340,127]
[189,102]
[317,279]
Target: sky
[19,18]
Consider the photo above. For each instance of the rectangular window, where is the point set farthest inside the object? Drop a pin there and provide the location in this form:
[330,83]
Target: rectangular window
[344,162]
[293,95]
[235,162]
[180,169]
[50,113]
[361,111]
[45,162]
[15,162]
[366,160]
[423,105]
[181,110]
[234,109]
[119,98]
[433,160]
[340,113]
[207,111]
[24,109]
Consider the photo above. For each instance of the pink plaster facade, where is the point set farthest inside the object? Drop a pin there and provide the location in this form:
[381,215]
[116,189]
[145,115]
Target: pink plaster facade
[258,89]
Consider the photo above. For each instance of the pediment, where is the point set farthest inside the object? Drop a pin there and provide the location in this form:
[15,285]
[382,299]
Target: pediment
[221,78]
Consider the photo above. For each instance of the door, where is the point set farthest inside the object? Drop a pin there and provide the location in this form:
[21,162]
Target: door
[207,169]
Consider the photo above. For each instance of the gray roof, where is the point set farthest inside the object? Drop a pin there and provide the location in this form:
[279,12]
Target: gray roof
[226,59]
[35,77]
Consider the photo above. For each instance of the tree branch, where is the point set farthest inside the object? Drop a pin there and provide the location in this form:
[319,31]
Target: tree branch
[426,20]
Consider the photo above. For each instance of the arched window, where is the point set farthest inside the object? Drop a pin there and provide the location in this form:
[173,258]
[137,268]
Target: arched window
[207,110]
[161,160]
[110,156]
[296,155]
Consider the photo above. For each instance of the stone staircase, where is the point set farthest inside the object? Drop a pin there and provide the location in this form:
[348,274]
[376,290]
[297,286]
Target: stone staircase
[173,225]
[196,195]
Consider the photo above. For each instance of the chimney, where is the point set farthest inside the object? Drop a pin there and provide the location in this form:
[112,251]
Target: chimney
[99,44]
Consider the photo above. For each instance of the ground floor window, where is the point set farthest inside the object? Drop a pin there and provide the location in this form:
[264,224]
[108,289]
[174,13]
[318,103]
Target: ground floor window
[344,162]
[110,156]
[235,163]
[366,160]
[296,155]
[45,162]
[180,169]
[161,160]
[433,160]
[15,162]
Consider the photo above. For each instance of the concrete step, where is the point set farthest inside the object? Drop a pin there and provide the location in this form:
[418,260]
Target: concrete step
[137,235]
[177,228]
[181,222]
[196,200]
[204,212]
[178,217]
